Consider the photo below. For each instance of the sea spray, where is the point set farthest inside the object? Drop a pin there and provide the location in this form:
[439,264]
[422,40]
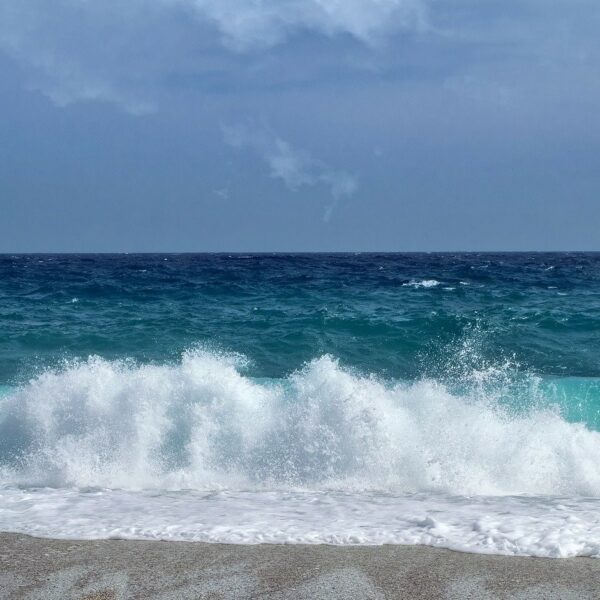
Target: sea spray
[203,424]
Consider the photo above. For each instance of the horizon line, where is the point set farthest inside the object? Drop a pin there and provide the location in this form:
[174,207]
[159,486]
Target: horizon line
[283,252]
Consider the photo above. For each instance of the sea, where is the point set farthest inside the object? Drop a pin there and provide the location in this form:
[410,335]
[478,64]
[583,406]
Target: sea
[450,400]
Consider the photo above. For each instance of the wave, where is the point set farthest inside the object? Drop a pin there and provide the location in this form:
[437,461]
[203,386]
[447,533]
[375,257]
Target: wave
[202,424]
[424,283]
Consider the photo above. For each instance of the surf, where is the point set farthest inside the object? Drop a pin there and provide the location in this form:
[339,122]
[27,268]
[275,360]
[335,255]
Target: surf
[203,424]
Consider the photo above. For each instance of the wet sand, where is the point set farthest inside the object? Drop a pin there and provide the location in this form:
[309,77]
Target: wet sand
[113,569]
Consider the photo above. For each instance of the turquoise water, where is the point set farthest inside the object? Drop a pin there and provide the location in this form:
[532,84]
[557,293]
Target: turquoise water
[445,399]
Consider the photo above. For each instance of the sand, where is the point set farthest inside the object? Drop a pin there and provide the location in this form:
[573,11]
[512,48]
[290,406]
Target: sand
[113,569]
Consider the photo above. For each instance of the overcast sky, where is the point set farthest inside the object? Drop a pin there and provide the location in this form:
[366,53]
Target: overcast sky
[282,125]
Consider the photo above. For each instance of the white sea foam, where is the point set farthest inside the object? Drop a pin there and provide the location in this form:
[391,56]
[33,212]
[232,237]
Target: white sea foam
[324,455]
[423,283]
[534,526]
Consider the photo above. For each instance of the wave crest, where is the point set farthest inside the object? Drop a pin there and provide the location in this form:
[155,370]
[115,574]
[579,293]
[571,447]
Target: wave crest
[203,424]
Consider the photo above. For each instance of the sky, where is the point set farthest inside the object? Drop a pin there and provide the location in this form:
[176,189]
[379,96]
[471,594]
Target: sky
[299,125]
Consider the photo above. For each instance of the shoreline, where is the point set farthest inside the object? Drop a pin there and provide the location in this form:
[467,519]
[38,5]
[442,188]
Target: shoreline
[49,569]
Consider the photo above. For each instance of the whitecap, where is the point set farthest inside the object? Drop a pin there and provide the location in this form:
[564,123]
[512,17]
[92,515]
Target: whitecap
[424,283]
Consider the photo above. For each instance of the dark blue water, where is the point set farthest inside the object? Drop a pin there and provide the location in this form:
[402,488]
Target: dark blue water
[396,315]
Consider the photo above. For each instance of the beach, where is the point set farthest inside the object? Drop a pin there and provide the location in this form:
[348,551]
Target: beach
[48,569]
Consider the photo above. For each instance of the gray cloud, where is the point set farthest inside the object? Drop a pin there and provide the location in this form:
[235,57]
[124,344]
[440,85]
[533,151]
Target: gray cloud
[295,167]
[245,24]
[73,51]
[133,53]
[120,51]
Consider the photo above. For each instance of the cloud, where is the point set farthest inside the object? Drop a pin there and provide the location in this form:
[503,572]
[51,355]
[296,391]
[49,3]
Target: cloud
[84,50]
[135,53]
[245,24]
[121,51]
[295,167]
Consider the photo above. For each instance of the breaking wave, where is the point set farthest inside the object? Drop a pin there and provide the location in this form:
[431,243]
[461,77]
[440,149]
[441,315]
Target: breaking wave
[202,424]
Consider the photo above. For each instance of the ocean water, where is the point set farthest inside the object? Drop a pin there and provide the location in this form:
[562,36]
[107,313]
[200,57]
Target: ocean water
[443,399]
